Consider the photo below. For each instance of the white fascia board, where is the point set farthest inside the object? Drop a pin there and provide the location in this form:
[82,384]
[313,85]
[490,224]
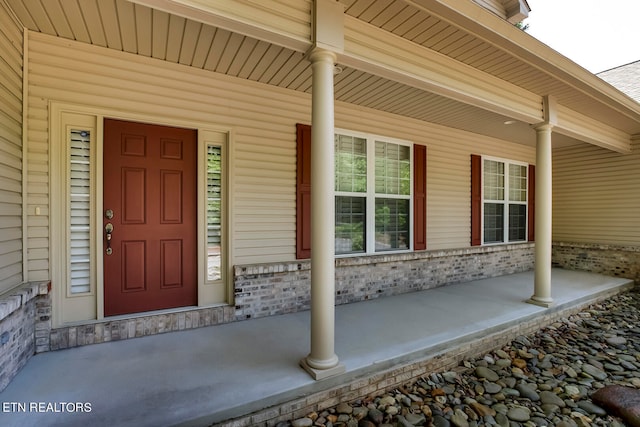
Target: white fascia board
[581,127]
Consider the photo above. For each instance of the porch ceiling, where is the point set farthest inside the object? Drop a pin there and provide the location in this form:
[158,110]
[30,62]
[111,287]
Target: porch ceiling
[138,29]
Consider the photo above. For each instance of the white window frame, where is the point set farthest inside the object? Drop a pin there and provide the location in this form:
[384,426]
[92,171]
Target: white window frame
[212,290]
[506,202]
[370,195]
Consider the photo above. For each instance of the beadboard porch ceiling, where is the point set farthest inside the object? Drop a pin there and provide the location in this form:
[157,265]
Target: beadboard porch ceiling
[141,30]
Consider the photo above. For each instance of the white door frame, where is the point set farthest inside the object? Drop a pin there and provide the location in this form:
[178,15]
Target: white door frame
[87,307]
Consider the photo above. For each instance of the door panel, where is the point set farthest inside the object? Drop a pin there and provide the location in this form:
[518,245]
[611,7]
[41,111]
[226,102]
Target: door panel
[170,192]
[134,266]
[150,184]
[133,195]
[171,263]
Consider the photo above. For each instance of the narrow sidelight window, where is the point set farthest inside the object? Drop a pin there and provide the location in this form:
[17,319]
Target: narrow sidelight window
[214,212]
[80,211]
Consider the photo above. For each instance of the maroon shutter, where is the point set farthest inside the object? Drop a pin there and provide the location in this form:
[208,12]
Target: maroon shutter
[531,209]
[419,197]
[303,192]
[476,200]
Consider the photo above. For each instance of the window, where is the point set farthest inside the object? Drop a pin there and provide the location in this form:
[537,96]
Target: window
[380,194]
[212,220]
[79,211]
[351,191]
[214,212]
[373,194]
[504,201]
[393,196]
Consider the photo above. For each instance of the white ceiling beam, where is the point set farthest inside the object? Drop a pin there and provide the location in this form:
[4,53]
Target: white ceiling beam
[379,52]
[241,18]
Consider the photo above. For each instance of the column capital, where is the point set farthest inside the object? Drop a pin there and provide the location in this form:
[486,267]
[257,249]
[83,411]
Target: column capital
[318,54]
[544,126]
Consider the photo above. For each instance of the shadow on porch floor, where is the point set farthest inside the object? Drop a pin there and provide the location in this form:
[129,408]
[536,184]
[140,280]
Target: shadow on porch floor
[208,375]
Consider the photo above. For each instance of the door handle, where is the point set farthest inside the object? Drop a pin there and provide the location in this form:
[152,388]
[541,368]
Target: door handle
[108,229]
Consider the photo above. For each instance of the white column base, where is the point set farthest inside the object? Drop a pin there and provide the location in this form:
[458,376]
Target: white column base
[542,302]
[320,374]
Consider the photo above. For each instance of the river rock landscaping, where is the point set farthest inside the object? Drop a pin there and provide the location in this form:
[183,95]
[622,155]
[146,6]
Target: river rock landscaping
[546,379]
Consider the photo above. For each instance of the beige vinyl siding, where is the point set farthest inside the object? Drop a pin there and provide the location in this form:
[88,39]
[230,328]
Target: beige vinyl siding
[11,47]
[596,195]
[261,120]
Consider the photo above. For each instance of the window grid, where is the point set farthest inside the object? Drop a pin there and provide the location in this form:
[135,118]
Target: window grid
[493,180]
[393,168]
[373,195]
[350,164]
[350,234]
[493,223]
[517,183]
[517,222]
[504,218]
[392,224]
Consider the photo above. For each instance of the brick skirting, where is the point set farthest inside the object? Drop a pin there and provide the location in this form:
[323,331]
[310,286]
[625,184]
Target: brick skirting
[269,289]
[138,326]
[25,322]
[610,260]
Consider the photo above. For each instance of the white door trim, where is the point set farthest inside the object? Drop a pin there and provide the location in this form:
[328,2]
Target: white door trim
[89,306]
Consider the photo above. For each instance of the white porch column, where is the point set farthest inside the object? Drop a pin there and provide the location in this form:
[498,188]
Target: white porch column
[543,210]
[322,361]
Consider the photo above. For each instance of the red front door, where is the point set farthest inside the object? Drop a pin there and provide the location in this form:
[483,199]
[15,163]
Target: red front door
[150,201]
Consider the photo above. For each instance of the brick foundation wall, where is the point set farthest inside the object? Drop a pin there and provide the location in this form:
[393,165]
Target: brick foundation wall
[139,326]
[611,260]
[25,321]
[270,289]
[385,381]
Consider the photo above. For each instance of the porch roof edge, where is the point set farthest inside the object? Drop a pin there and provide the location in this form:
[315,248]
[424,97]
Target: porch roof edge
[521,45]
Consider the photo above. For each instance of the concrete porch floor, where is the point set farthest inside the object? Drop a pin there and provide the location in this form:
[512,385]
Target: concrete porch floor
[207,375]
